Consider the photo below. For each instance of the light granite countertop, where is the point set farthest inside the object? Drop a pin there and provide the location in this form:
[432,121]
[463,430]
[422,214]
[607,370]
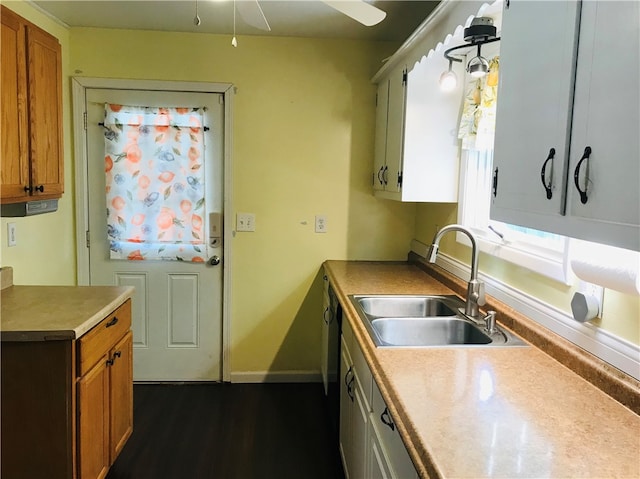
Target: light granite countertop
[488,412]
[38,313]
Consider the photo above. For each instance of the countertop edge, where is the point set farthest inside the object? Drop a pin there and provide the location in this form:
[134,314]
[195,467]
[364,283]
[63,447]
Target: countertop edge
[122,294]
[104,312]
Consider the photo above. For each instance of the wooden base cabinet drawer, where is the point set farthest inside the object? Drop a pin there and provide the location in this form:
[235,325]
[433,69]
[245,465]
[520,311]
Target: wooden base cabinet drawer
[99,340]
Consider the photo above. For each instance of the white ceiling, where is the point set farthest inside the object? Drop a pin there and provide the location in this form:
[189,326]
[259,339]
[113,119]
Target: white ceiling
[300,18]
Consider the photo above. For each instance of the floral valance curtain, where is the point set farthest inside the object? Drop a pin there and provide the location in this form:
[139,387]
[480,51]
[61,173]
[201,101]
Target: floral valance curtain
[478,121]
[154,165]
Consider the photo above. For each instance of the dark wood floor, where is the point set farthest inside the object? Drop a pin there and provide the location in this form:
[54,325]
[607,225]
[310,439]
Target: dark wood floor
[229,431]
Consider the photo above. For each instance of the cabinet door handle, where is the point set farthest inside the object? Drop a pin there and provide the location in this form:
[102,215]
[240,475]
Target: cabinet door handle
[327,316]
[350,387]
[117,354]
[40,188]
[385,417]
[28,189]
[384,174]
[110,362]
[346,376]
[112,322]
[379,175]
[576,175]
[494,186]
[547,187]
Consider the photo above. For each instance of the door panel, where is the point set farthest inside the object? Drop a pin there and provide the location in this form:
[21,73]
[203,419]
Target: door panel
[177,306]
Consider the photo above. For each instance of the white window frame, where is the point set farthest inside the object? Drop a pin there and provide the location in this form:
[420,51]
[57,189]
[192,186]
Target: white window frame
[513,248]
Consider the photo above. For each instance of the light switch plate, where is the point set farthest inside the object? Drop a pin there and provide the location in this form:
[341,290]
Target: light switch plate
[245,222]
[11,234]
[321,224]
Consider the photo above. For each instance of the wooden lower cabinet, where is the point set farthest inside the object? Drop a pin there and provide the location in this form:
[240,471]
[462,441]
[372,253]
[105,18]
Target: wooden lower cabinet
[67,405]
[93,421]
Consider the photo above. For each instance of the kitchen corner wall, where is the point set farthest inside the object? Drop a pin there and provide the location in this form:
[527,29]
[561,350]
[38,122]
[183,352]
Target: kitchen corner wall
[303,129]
[45,251]
[621,311]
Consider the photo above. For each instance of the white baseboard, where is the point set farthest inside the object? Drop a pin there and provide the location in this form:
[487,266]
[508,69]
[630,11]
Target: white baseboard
[612,349]
[293,376]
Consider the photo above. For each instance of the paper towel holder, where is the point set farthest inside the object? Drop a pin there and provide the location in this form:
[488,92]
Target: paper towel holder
[584,307]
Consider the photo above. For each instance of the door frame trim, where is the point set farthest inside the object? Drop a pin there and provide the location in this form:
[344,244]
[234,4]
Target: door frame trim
[79,88]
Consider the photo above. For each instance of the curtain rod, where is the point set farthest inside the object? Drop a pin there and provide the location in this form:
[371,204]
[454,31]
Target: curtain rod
[206,128]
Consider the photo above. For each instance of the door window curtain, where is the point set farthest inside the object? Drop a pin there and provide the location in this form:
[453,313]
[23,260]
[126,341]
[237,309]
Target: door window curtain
[154,167]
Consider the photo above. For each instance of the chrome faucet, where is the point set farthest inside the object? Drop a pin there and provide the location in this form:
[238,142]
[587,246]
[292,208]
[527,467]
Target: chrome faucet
[475,288]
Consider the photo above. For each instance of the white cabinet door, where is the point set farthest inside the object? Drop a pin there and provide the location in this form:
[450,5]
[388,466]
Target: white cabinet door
[360,430]
[395,130]
[606,118]
[380,147]
[537,51]
[346,409]
[324,359]
[576,90]
[394,453]
[377,467]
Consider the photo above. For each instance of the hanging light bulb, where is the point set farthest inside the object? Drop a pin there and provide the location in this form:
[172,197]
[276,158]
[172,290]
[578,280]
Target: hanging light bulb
[478,66]
[448,79]
[234,41]
[196,19]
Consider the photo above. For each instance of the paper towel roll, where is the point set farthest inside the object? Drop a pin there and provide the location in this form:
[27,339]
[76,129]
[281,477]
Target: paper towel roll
[609,267]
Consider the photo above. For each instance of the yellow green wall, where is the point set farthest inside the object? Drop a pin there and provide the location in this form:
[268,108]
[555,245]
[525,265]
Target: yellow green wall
[621,312]
[46,250]
[303,127]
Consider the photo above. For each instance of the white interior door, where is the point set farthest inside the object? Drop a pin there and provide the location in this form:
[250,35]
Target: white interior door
[177,305]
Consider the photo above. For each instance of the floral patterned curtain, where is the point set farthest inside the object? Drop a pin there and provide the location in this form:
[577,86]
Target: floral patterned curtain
[478,121]
[154,165]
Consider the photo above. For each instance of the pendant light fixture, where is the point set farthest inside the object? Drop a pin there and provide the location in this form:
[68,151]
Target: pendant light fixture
[234,41]
[196,19]
[480,32]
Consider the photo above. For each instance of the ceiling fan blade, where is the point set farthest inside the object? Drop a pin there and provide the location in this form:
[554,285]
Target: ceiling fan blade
[252,14]
[360,11]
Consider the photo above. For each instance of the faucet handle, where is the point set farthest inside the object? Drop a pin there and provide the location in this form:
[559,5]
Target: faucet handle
[482,300]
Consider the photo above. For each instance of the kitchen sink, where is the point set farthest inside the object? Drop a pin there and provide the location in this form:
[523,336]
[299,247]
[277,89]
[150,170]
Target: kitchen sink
[425,321]
[409,306]
[427,332]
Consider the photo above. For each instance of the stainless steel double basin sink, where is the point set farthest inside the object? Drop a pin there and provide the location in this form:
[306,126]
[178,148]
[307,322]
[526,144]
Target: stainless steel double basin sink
[425,321]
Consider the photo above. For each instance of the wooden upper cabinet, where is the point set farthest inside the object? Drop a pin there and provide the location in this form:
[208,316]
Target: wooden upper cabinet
[31,124]
[13,125]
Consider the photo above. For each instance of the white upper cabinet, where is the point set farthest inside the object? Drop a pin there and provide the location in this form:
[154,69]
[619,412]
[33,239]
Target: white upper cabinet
[390,122]
[568,121]
[416,144]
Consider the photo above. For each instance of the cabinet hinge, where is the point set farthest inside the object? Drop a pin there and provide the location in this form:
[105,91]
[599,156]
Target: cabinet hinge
[84,120]
[399,179]
[87,238]
[507,4]
[376,99]
[404,77]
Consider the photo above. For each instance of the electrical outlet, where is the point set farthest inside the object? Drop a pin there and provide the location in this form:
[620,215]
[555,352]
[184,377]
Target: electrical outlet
[245,222]
[321,224]
[11,234]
